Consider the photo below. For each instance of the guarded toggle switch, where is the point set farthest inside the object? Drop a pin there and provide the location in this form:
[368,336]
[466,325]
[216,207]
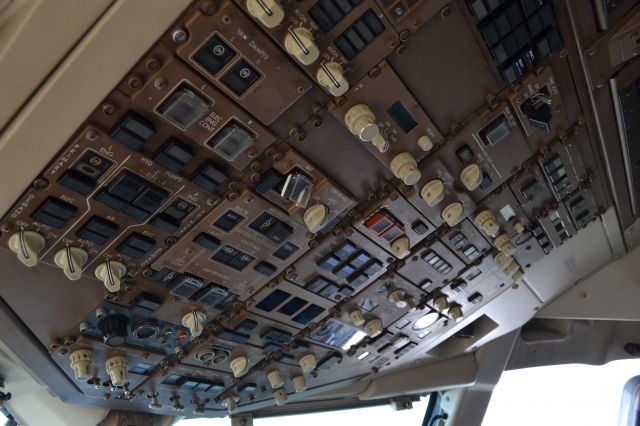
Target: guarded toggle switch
[299,384]
[356,317]
[331,77]
[268,12]
[82,364]
[117,370]
[452,213]
[405,167]
[486,221]
[504,244]
[471,176]
[280,395]
[315,217]
[110,272]
[307,363]
[373,327]
[70,260]
[432,192]
[361,121]
[27,245]
[300,44]
[400,246]
[194,322]
[239,366]
[275,379]
[425,143]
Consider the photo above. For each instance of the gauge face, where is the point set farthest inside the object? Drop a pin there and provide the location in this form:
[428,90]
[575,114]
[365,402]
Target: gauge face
[425,321]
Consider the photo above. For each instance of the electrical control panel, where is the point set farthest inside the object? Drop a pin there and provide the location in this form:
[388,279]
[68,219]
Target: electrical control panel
[268,205]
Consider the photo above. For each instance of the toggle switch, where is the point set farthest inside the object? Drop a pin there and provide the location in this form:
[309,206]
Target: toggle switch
[452,213]
[268,12]
[194,322]
[110,272]
[275,379]
[239,366]
[299,384]
[400,246]
[82,364]
[504,244]
[405,167]
[331,77]
[280,395]
[425,143]
[300,44]
[307,363]
[315,217]
[70,260]
[373,327]
[27,245]
[486,221]
[117,370]
[432,192]
[356,317]
[471,176]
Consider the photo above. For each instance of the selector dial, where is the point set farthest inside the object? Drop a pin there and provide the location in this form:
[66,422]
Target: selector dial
[114,329]
[268,12]
[361,121]
[299,43]
[504,244]
[400,246]
[275,379]
[82,364]
[471,176]
[280,395]
[441,303]
[307,363]
[425,143]
[455,312]
[299,384]
[331,77]
[71,260]
[27,245]
[452,213]
[405,167]
[357,317]
[373,327]
[239,366]
[398,298]
[117,370]
[486,221]
[315,217]
[110,272]
[432,192]
[194,322]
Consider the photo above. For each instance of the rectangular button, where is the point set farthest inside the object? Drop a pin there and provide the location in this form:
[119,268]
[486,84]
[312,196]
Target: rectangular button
[54,212]
[344,250]
[240,77]
[228,220]
[225,254]
[97,230]
[240,261]
[214,55]
[209,177]
[265,268]
[328,262]
[174,155]
[77,182]
[132,131]
[185,285]
[285,251]
[136,246]
[207,241]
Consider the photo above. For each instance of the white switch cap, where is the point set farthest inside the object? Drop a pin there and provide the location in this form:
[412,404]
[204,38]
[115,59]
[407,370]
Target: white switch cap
[300,44]
[307,363]
[71,260]
[425,143]
[452,213]
[432,192]
[194,321]
[268,12]
[110,272]
[117,370]
[357,317]
[239,366]
[331,77]
[27,245]
[400,246]
[471,176]
[373,327]
[299,384]
[275,379]
[82,364]
[315,217]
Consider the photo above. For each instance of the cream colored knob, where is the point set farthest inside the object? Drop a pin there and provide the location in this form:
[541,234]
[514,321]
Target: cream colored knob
[110,272]
[280,395]
[299,43]
[268,12]
[275,379]
[373,327]
[298,384]
[71,260]
[331,77]
[518,227]
[194,322]
[361,121]
[425,143]
[471,176]
[432,192]
[452,213]
[486,221]
[27,245]
[380,143]
[503,261]
[512,269]
[517,275]
[82,364]
[356,317]
[117,370]
[400,246]
[455,312]
[504,244]
[239,366]
[398,298]
[315,217]
[231,402]
[405,167]
[441,303]
[307,363]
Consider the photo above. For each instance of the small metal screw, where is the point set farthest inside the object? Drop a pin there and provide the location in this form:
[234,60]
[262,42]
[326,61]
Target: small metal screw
[179,35]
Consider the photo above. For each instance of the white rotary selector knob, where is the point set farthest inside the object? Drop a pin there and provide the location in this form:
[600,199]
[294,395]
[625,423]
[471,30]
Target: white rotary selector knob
[27,245]
[425,143]
[471,176]
[268,12]
[373,327]
[300,44]
[361,121]
[357,317]
[239,365]
[117,370]
[315,217]
[432,192]
[486,221]
[299,384]
[110,273]
[405,167]
[307,363]
[194,322]
[331,77]
[504,244]
[275,379]
[280,395]
[81,361]
[71,260]
[452,213]
[400,246]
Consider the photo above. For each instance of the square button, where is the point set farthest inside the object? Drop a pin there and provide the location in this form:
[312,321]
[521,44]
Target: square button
[97,230]
[225,254]
[54,212]
[207,241]
[231,141]
[285,251]
[136,246]
[240,77]
[214,55]
[132,131]
[240,261]
[174,155]
[228,220]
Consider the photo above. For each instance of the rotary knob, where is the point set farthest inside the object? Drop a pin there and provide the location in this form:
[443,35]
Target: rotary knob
[361,121]
[425,143]
[455,312]
[486,221]
[299,43]
[471,176]
[315,217]
[114,329]
[280,395]
[398,298]
[373,327]
[117,370]
[307,363]
[357,318]
[452,213]
[400,246]
[194,321]
[503,261]
[441,303]
[238,366]
[504,244]
[27,245]
[331,77]
[110,272]
[268,12]
[82,364]
[299,384]
[275,379]
[405,167]
[432,192]
[71,260]
[231,402]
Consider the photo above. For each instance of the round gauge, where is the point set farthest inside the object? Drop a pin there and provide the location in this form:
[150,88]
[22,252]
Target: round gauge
[425,321]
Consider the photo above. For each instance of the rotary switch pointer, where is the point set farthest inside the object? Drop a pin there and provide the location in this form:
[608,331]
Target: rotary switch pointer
[71,260]
[26,245]
[110,273]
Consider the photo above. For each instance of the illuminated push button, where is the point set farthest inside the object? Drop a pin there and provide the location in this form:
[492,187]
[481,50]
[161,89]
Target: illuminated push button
[373,327]
[405,167]
[82,363]
[307,363]
[471,176]
[299,384]
[110,273]
[452,213]
[361,121]
[432,192]
[331,77]
[194,321]
[315,216]
[356,317]
[299,43]
[400,246]
[455,312]
[425,143]
[275,379]
[27,245]
[117,370]
[71,260]
[280,395]
[441,303]
[504,244]
[486,221]
[268,12]
[238,366]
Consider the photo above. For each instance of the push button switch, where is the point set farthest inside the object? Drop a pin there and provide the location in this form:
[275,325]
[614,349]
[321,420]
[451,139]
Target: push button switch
[265,268]
[132,195]
[97,230]
[136,246]
[77,182]
[54,212]
[228,220]
[207,241]
[132,131]
[214,55]
[240,77]
[209,177]
[285,251]
[174,155]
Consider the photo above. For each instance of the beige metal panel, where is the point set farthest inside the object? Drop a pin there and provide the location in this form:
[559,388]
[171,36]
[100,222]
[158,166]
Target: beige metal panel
[89,72]
[28,54]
